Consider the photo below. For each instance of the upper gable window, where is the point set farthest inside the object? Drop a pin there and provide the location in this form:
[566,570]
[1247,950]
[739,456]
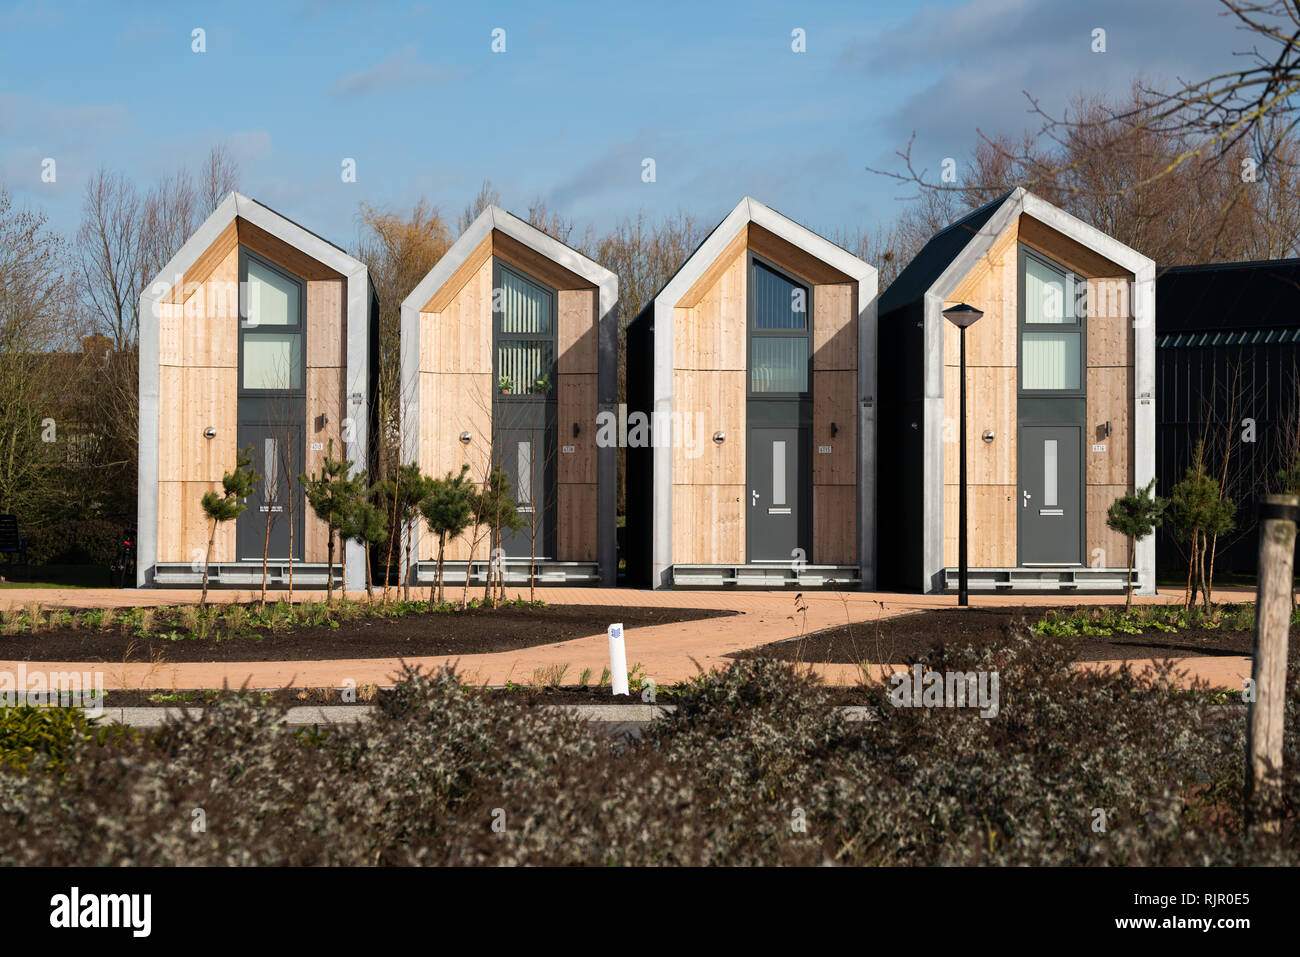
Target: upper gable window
[1053,304]
[778,361]
[271,334]
[525,336]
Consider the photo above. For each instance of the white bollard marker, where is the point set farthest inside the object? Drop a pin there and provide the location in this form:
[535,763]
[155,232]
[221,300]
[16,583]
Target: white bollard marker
[617,660]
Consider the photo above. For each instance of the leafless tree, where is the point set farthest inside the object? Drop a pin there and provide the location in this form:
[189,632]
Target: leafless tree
[36,323]
[109,243]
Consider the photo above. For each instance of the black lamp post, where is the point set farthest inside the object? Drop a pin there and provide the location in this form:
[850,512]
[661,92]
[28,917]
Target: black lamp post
[962,316]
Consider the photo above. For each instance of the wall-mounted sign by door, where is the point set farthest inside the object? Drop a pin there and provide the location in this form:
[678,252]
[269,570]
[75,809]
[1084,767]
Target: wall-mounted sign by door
[823,450]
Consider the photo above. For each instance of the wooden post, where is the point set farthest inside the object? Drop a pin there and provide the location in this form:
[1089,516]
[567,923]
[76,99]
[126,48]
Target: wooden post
[1277,530]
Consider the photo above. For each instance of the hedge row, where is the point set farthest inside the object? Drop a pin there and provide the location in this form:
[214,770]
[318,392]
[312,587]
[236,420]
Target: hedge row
[755,768]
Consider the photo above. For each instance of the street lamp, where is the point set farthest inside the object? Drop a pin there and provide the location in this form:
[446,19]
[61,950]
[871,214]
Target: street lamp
[962,316]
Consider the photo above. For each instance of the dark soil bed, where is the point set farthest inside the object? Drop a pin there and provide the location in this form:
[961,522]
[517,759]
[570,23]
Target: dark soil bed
[905,638]
[469,632]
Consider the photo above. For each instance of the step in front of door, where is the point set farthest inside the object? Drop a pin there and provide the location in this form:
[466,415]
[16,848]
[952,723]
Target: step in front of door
[1041,579]
[766,576]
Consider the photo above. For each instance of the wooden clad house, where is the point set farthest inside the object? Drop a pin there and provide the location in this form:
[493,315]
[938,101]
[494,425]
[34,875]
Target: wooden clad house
[1060,413]
[750,432]
[509,351]
[258,334]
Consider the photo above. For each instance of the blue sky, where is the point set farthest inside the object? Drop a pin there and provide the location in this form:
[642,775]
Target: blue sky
[583,93]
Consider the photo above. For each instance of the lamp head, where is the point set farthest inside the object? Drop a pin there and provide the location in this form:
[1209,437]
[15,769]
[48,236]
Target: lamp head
[962,315]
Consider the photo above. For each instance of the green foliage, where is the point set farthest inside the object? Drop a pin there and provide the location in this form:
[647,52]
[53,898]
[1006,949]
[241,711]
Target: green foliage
[449,508]
[1135,515]
[497,506]
[333,496]
[1196,506]
[1143,618]
[749,752]
[236,485]
[365,523]
[1201,513]
[1289,477]
[27,732]
[449,505]
[90,541]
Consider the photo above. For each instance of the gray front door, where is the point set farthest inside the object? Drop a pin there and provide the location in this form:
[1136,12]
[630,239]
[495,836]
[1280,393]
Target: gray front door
[264,525]
[1051,495]
[775,469]
[525,457]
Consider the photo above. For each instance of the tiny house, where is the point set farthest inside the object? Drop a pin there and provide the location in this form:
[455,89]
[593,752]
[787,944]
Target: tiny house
[1060,420]
[508,358]
[750,428]
[1228,376]
[261,335]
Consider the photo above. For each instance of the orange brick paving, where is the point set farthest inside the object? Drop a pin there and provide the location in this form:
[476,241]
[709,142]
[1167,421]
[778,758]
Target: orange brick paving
[667,653]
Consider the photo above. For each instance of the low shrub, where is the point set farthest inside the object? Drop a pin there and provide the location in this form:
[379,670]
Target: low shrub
[28,732]
[88,541]
[755,767]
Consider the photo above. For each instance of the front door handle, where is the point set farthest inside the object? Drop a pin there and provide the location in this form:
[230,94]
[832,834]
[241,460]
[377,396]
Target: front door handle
[754,500]
[1025,501]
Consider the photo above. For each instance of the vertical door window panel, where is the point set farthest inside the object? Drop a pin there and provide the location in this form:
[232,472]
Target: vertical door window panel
[778,364]
[272,361]
[1049,360]
[778,473]
[269,460]
[1049,473]
[273,299]
[1045,294]
[524,473]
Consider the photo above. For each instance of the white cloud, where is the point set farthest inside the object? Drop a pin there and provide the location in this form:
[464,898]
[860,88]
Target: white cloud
[396,71]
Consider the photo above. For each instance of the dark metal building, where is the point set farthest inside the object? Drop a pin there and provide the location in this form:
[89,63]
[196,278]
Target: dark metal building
[1227,375]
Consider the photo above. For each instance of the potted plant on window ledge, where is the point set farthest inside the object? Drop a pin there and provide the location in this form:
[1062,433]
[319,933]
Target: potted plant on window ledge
[542,385]
[505,385]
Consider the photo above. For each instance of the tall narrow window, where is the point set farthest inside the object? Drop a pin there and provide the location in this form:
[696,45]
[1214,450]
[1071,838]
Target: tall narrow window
[524,473]
[778,345]
[525,337]
[778,473]
[269,462]
[1049,473]
[1051,335]
[271,330]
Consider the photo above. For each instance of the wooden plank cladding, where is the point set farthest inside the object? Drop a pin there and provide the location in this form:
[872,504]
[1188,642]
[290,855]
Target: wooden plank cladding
[456,389]
[710,395]
[198,386]
[992,396]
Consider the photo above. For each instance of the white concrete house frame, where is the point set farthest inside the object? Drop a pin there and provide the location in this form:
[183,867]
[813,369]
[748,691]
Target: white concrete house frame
[192,386]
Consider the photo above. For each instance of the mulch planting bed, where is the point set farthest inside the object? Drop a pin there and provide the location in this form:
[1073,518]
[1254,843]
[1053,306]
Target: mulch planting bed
[470,632]
[905,638]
